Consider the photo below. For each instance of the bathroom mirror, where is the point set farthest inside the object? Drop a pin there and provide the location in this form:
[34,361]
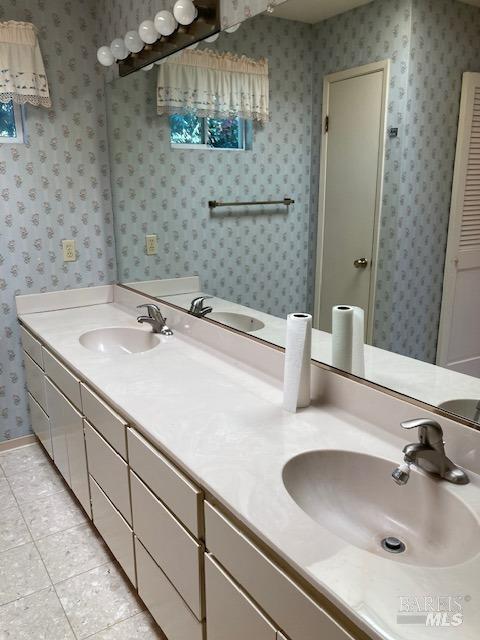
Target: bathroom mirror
[354,183]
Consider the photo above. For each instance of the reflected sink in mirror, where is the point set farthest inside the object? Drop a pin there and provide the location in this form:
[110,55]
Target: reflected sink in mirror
[466,408]
[237,321]
[114,341]
[354,497]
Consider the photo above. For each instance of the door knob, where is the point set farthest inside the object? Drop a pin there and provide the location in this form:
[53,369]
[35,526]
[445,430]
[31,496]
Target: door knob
[360,263]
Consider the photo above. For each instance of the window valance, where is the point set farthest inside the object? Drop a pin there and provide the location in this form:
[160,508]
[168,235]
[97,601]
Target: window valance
[216,85]
[22,73]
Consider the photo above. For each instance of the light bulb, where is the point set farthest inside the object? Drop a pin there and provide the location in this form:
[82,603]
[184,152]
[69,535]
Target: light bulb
[147,32]
[165,23]
[185,11]
[105,56]
[119,49]
[234,28]
[133,42]
[149,67]
[212,38]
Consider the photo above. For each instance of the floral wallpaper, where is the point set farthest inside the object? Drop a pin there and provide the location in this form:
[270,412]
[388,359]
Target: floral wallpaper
[445,43]
[430,44]
[54,187]
[253,257]
[377,31]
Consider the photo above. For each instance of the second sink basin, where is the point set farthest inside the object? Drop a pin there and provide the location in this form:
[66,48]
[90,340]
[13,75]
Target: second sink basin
[353,496]
[119,340]
[238,321]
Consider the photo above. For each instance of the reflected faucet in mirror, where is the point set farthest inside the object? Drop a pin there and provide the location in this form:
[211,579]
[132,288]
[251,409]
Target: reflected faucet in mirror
[428,454]
[197,309]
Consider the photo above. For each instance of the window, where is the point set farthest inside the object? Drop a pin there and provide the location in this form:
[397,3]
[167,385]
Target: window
[11,123]
[208,133]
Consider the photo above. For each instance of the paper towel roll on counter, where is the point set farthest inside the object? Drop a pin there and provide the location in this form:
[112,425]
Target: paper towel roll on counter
[298,355]
[348,339]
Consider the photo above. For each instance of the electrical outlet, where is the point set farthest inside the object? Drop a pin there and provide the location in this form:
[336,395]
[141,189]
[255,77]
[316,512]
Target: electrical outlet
[151,244]
[69,252]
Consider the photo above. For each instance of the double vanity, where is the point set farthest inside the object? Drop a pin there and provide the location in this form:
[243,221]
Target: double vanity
[234,519]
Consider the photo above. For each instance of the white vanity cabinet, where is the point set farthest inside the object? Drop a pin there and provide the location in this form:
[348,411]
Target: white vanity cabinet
[292,609]
[40,424]
[231,614]
[198,574]
[68,443]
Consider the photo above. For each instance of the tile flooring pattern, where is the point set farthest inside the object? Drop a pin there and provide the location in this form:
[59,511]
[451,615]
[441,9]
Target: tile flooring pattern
[58,581]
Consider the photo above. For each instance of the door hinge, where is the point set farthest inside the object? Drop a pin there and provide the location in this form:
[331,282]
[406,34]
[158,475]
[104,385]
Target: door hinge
[327,123]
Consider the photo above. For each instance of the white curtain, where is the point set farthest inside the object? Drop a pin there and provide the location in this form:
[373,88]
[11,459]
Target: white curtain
[22,74]
[211,84]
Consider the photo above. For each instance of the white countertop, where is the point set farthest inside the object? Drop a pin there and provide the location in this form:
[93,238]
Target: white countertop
[225,426]
[423,381]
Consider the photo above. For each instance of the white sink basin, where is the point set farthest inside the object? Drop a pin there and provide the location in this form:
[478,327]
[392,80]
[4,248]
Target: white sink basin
[469,409]
[238,321]
[119,340]
[354,496]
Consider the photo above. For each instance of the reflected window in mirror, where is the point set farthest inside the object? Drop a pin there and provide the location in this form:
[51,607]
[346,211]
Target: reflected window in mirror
[194,132]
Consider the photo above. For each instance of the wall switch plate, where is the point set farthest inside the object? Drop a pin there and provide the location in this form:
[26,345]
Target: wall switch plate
[69,252]
[151,244]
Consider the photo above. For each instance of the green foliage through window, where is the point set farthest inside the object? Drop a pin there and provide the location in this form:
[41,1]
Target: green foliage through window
[7,120]
[217,133]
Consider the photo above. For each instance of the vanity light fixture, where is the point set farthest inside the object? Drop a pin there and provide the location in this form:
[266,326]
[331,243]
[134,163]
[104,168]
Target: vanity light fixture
[133,42]
[119,49]
[167,34]
[165,23]
[185,11]
[147,32]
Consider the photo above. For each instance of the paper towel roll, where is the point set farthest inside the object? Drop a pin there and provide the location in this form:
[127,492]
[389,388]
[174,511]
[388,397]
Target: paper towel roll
[348,339]
[298,354]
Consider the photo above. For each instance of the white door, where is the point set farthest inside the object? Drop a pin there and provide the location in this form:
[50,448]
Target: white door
[353,148]
[459,333]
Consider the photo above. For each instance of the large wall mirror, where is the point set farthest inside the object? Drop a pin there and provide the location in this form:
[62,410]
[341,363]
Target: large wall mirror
[321,154]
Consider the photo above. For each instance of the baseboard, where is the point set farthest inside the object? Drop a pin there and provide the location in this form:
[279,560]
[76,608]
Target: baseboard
[14,443]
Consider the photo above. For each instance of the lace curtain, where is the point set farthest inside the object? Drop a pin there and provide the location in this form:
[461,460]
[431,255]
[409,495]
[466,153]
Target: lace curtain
[211,84]
[22,74]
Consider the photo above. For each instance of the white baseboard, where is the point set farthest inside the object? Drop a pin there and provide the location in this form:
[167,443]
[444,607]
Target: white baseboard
[14,443]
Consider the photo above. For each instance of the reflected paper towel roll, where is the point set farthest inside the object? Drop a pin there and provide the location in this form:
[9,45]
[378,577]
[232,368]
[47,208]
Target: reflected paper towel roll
[298,354]
[348,327]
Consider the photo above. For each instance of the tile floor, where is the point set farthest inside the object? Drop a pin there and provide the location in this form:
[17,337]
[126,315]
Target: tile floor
[58,581]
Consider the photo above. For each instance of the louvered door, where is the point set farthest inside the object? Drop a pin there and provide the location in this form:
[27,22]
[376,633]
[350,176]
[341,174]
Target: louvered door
[459,335]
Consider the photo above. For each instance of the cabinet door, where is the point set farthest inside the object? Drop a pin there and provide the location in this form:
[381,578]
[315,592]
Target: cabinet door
[231,615]
[77,455]
[56,405]
[40,424]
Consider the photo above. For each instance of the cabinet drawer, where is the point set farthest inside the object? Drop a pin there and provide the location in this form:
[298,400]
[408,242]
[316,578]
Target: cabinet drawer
[231,615]
[174,550]
[109,470]
[168,483]
[166,606]
[113,529]
[32,346]
[294,611]
[56,405]
[107,422]
[35,381]
[63,378]
[40,424]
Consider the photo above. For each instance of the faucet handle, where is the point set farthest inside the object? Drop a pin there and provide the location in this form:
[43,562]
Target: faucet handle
[430,431]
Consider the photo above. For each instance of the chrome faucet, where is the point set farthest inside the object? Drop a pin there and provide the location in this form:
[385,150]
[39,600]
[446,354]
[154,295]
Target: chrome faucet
[428,454]
[197,309]
[155,319]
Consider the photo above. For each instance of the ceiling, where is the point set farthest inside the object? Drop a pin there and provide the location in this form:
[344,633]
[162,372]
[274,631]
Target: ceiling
[313,11]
